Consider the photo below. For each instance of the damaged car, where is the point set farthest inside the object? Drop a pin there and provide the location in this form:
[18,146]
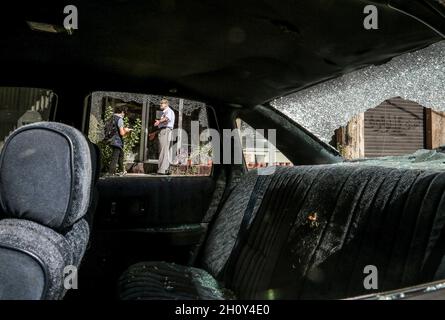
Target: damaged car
[306,151]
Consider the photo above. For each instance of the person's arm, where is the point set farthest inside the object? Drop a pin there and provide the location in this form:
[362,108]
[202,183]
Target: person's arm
[123,131]
[164,119]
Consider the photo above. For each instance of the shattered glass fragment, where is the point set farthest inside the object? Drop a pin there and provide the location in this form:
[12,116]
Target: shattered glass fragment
[421,159]
[418,76]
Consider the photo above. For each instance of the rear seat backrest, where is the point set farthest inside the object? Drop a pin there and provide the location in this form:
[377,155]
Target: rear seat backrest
[309,232]
[224,229]
[392,219]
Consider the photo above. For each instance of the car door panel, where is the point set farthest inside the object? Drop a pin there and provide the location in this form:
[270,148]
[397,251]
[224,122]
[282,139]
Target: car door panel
[152,201]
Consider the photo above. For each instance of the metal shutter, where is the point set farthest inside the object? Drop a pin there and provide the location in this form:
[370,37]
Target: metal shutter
[395,127]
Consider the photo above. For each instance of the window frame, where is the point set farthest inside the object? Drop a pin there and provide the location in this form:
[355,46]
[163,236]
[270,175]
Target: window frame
[143,154]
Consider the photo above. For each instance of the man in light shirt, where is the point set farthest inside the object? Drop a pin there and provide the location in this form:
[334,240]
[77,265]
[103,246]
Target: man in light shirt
[165,124]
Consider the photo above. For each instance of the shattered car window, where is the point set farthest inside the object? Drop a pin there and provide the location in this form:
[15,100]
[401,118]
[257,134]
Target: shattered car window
[408,91]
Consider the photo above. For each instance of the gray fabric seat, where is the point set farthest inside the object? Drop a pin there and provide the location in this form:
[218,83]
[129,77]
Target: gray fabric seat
[47,174]
[308,233]
[366,216]
[160,280]
[148,280]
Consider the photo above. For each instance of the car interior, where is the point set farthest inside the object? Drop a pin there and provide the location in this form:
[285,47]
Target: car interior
[300,228]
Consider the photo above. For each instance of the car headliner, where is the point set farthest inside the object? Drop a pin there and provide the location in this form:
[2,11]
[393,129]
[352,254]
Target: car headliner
[238,52]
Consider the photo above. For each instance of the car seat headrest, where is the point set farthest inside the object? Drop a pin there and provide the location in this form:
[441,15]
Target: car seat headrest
[46,174]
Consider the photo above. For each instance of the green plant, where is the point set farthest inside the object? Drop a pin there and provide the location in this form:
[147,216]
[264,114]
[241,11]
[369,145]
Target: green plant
[130,140]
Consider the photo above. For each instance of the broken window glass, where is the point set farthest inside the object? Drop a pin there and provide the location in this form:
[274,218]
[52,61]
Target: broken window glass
[418,76]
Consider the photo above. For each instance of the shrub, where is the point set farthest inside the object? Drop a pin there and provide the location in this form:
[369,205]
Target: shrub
[130,140]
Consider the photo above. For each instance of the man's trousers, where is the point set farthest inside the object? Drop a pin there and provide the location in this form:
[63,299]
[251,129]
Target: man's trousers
[164,138]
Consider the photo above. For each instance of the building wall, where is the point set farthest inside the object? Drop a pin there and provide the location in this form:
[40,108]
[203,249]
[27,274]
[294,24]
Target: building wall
[395,127]
[350,139]
[435,126]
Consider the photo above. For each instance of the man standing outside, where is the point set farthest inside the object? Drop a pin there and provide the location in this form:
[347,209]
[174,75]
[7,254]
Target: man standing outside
[117,141]
[165,124]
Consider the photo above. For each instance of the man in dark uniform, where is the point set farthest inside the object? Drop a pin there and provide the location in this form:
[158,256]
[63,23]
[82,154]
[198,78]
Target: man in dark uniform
[117,141]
